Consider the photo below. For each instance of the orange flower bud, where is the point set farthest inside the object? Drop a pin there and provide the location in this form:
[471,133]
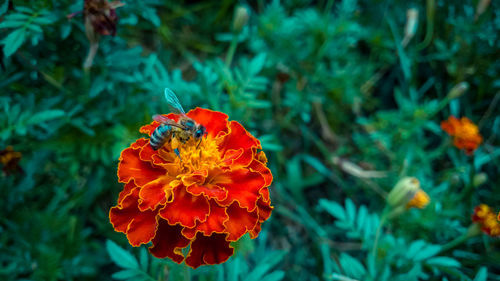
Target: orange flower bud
[420,200]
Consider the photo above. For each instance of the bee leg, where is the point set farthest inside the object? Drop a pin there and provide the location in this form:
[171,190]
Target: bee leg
[198,145]
[177,153]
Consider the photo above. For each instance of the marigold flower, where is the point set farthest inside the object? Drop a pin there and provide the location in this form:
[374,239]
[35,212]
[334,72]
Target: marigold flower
[211,195]
[10,160]
[486,218]
[465,134]
[419,200]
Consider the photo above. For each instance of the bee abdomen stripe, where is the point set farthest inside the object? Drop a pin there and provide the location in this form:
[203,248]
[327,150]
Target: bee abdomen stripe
[159,136]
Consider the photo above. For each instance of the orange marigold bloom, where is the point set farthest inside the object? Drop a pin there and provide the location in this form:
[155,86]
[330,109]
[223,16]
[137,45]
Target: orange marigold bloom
[465,134]
[486,218]
[210,196]
[419,200]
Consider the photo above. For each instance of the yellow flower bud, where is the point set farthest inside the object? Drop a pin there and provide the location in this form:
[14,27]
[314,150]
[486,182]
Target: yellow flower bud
[404,191]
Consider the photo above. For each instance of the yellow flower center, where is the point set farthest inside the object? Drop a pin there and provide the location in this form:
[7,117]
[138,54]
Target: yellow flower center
[194,155]
[468,130]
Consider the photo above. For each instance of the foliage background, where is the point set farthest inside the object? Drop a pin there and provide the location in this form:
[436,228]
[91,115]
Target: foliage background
[326,86]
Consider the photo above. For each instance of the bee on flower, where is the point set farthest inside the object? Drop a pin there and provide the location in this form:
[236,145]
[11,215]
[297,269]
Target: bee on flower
[198,181]
[487,220]
[465,133]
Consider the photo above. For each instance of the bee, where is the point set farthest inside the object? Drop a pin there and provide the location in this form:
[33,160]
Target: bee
[175,132]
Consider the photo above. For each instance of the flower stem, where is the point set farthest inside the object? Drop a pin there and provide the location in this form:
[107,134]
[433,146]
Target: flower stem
[430,10]
[472,231]
[377,235]
[187,273]
[90,57]
[232,49]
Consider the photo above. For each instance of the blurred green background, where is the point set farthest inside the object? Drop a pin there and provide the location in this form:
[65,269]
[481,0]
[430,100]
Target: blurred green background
[333,89]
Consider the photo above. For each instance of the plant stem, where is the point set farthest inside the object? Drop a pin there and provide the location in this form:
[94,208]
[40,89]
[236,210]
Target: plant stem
[430,10]
[187,273]
[90,57]
[232,50]
[472,231]
[377,235]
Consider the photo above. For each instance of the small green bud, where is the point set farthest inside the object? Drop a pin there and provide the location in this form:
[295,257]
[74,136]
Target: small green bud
[241,16]
[458,90]
[479,179]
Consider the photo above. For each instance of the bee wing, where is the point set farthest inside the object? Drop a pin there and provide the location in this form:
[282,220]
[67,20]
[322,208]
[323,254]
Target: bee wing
[173,101]
[165,120]
[162,119]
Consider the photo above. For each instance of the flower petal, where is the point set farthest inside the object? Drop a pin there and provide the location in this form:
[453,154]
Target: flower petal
[196,177]
[240,221]
[132,167]
[149,128]
[264,210]
[140,227]
[168,242]
[122,215]
[242,186]
[212,249]
[238,138]
[185,208]
[143,228]
[127,189]
[211,191]
[155,192]
[450,126]
[261,168]
[238,158]
[214,223]
[215,122]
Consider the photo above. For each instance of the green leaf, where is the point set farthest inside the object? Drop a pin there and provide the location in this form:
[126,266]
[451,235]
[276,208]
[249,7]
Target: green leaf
[443,261]
[265,265]
[274,276]
[127,274]
[482,274]
[45,116]
[4,7]
[350,210]
[120,256]
[143,259]
[12,23]
[427,252]
[333,208]
[351,266]
[13,41]
[257,64]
